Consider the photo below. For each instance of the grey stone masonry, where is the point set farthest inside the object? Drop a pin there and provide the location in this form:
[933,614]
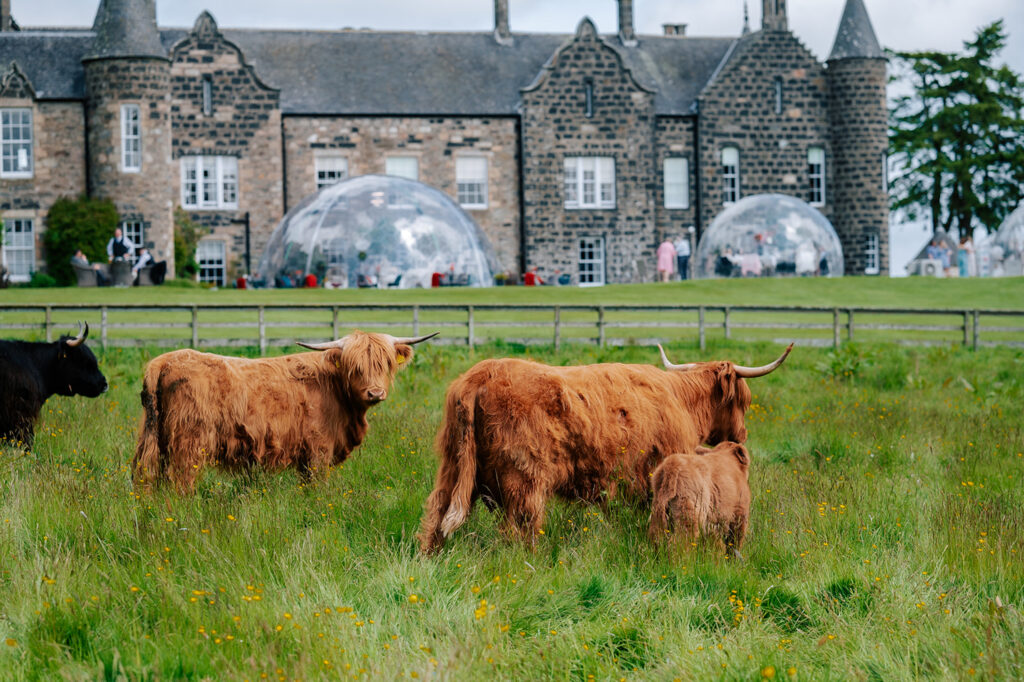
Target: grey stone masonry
[859,138]
[146,195]
[741,109]
[556,126]
[674,139]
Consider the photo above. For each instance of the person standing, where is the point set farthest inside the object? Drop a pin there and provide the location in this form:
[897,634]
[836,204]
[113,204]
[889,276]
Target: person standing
[666,260]
[682,246]
[965,255]
[120,247]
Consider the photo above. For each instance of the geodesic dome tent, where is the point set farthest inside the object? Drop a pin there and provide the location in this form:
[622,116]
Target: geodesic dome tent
[1005,249]
[769,235]
[377,230]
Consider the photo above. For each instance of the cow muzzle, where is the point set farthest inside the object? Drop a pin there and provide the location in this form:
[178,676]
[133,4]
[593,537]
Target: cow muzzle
[375,395]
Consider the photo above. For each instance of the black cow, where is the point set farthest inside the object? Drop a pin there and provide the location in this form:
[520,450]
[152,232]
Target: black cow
[32,372]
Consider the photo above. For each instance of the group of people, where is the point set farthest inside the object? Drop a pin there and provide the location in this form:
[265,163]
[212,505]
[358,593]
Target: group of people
[674,257]
[939,250]
[121,249]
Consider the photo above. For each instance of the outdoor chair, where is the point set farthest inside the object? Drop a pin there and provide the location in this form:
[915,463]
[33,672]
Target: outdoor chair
[393,284]
[121,273]
[86,276]
[145,277]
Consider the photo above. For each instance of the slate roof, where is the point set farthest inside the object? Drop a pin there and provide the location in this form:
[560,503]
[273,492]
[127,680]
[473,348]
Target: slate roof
[400,73]
[856,37]
[126,28]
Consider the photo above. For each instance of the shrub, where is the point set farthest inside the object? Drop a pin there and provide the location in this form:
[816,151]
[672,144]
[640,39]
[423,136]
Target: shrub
[83,223]
[844,362]
[187,234]
[40,280]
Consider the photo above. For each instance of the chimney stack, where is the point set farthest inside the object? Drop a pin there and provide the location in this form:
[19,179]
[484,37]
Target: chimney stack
[502,33]
[5,16]
[674,29]
[773,15]
[626,33]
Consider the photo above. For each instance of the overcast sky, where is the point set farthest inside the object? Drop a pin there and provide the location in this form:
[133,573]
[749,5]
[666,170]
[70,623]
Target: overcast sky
[900,24]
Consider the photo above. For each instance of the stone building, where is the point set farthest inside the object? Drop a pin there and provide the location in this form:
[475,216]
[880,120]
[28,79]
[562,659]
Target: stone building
[575,153]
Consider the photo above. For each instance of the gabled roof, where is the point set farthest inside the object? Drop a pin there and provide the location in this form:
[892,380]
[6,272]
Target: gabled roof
[396,73]
[856,37]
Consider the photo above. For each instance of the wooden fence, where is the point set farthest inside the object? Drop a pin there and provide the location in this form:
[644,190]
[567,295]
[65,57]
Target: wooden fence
[269,325]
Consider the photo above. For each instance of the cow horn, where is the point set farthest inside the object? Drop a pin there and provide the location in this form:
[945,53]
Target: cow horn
[82,333]
[339,344]
[411,340]
[669,365]
[751,372]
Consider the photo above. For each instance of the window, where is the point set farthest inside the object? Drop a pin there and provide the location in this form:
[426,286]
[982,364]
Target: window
[816,175]
[19,249]
[471,181]
[588,98]
[730,175]
[135,231]
[330,170]
[871,255]
[778,94]
[403,167]
[131,139]
[677,182]
[591,261]
[589,182]
[207,95]
[209,182]
[16,143]
[210,256]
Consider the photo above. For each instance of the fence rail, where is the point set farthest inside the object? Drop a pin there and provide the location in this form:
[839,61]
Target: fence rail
[282,324]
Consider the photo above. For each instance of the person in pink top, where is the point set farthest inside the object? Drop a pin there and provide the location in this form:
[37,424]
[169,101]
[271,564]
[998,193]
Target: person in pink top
[666,260]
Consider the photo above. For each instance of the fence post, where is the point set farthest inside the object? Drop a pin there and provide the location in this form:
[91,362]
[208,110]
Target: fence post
[977,330]
[835,327]
[558,327]
[700,327]
[416,320]
[103,327]
[725,323]
[195,327]
[334,322]
[263,333]
[600,326]
[49,331]
[967,322]
[849,324]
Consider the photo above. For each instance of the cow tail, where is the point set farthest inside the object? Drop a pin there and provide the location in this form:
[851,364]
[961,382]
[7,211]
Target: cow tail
[146,463]
[449,504]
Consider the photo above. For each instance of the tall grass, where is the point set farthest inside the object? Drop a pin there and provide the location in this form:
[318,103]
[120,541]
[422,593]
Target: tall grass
[886,543]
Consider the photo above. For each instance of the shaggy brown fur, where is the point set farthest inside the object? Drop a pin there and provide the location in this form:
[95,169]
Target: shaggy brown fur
[703,494]
[305,411]
[517,432]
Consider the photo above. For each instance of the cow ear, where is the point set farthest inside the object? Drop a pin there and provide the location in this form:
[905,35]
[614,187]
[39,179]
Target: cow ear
[403,353]
[331,358]
[727,381]
[741,453]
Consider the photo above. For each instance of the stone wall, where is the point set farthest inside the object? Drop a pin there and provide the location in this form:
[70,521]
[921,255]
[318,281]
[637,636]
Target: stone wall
[58,130]
[146,195]
[860,139]
[674,138]
[739,109]
[366,142]
[244,121]
[556,126]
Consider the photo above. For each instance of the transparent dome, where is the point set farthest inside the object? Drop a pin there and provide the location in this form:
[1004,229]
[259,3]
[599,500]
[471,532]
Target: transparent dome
[1005,249]
[769,235]
[377,231]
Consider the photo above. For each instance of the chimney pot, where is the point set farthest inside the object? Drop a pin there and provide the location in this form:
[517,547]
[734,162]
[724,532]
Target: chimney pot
[674,29]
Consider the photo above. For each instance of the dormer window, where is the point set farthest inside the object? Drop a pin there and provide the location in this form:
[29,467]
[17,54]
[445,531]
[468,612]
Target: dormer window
[207,95]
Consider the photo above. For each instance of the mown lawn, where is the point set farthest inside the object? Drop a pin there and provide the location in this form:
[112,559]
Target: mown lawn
[886,543]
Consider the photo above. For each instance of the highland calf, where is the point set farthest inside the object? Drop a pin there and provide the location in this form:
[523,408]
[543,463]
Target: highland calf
[305,411]
[703,494]
[516,433]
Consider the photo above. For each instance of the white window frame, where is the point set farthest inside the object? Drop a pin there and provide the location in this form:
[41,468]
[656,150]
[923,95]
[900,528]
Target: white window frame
[330,170]
[730,175]
[676,181]
[211,255]
[590,253]
[135,231]
[816,176]
[209,182]
[131,138]
[11,146]
[393,166]
[872,255]
[19,240]
[589,182]
[471,185]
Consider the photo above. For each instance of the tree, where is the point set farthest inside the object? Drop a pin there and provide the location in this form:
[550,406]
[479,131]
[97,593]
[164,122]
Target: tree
[957,137]
[72,224]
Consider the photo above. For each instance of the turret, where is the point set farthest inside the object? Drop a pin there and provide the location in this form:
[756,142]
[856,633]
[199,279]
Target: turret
[128,103]
[858,121]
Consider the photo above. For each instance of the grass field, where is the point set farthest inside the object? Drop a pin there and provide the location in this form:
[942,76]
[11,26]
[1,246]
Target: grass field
[886,543]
